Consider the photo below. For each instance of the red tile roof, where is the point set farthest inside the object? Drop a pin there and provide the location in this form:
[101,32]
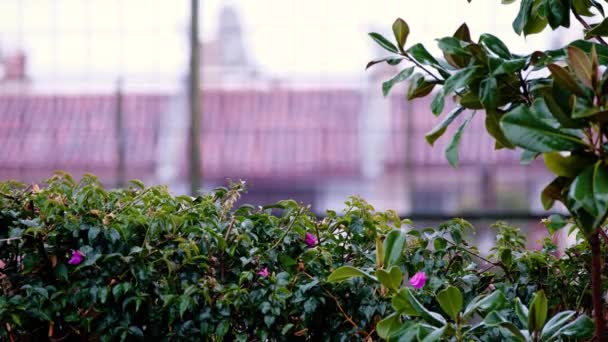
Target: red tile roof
[279,134]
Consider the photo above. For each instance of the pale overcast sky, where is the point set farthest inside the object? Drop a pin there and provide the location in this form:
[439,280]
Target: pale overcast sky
[98,40]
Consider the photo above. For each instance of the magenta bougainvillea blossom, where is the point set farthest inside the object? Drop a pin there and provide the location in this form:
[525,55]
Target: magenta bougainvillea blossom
[418,280]
[310,240]
[77,257]
[264,272]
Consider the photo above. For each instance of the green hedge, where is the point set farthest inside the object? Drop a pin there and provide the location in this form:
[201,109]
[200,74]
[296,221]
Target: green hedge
[84,263]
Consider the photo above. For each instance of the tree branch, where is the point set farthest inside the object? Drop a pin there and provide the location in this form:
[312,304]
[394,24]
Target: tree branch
[588,27]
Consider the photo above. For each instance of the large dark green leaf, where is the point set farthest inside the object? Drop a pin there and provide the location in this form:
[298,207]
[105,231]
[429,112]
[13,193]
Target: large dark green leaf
[523,16]
[558,13]
[451,152]
[495,45]
[555,323]
[537,21]
[580,328]
[387,45]
[559,108]
[527,129]
[438,130]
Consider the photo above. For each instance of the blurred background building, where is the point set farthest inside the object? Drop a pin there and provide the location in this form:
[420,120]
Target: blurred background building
[100,86]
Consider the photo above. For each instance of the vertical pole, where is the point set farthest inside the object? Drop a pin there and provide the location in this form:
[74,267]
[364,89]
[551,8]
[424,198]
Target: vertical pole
[409,161]
[120,136]
[194,94]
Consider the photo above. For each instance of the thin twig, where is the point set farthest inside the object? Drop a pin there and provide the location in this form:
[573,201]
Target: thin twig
[423,68]
[524,87]
[588,27]
[276,243]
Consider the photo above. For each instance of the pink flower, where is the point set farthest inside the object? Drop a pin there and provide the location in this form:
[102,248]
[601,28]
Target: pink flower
[310,240]
[418,280]
[264,272]
[77,257]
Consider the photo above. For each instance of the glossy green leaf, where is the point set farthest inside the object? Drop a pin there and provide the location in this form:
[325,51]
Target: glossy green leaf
[589,192]
[521,311]
[582,7]
[560,109]
[537,312]
[509,66]
[383,42]
[581,328]
[390,279]
[555,323]
[421,55]
[558,14]
[537,21]
[450,300]
[430,317]
[456,81]
[388,326]
[492,122]
[523,16]
[438,130]
[495,45]
[600,29]
[419,87]
[347,272]
[435,335]
[451,151]
[401,303]
[394,244]
[401,30]
[488,93]
[400,77]
[525,128]
[485,303]
[566,166]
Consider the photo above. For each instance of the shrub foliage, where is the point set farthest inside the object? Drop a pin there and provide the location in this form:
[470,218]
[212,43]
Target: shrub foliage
[82,262]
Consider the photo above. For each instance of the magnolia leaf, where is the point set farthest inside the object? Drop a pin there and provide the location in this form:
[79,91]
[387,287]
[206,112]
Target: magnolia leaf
[438,130]
[401,30]
[581,64]
[387,45]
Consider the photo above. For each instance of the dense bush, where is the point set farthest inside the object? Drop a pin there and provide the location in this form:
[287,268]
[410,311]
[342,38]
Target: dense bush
[85,263]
